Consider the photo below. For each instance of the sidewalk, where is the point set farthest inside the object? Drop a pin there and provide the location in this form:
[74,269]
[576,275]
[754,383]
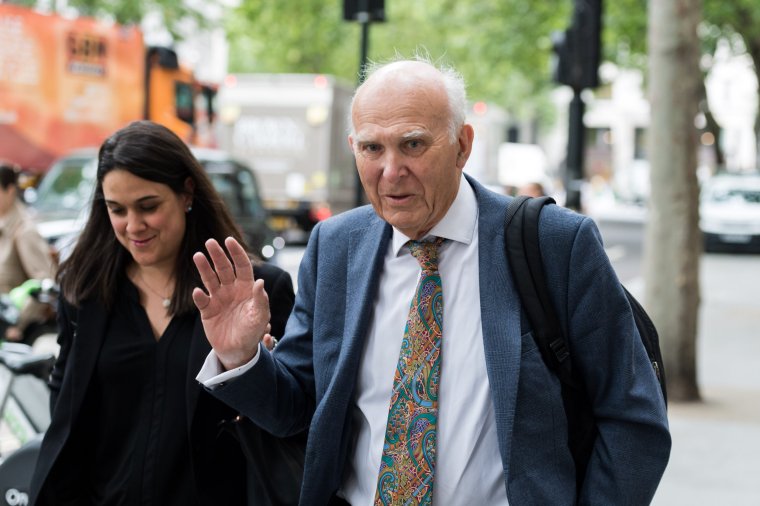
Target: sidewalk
[716,444]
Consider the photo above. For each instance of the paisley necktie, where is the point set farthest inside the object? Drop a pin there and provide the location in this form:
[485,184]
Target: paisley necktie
[408,462]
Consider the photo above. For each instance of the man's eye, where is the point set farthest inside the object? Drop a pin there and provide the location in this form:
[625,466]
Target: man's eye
[371,150]
[414,145]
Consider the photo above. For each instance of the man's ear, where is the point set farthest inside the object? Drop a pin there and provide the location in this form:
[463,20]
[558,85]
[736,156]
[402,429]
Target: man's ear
[466,136]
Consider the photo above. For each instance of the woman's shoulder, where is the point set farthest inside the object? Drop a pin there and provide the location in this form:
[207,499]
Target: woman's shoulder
[279,285]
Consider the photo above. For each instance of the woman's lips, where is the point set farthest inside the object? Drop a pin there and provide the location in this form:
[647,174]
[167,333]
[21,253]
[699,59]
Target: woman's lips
[141,242]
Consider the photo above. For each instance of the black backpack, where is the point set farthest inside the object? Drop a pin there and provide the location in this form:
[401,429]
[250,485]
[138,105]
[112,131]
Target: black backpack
[524,254]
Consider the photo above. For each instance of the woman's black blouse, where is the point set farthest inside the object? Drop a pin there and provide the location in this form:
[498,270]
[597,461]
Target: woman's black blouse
[142,456]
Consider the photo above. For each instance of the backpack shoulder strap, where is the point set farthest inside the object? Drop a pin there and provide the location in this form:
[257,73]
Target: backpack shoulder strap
[524,255]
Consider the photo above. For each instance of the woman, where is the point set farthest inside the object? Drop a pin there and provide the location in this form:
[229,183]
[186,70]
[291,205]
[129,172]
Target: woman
[130,425]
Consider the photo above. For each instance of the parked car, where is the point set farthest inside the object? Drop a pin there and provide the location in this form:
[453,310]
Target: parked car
[61,201]
[730,212]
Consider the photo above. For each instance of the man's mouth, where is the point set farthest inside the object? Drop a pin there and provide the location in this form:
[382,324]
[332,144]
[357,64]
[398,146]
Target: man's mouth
[399,198]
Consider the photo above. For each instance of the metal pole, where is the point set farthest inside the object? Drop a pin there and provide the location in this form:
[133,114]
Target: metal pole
[364,23]
[364,20]
[575,145]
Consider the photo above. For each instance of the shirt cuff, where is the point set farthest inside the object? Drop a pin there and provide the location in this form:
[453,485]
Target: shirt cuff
[212,374]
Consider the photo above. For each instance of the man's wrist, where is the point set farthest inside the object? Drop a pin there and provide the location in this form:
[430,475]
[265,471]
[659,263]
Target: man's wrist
[238,362]
[213,374]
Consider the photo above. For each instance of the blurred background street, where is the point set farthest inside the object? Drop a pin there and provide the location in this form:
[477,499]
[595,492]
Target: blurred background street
[582,100]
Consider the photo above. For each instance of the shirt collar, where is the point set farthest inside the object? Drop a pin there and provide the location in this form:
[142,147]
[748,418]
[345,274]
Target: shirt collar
[458,224]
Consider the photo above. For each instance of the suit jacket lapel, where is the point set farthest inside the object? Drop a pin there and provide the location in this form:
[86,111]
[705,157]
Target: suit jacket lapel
[366,252]
[500,313]
[365,255]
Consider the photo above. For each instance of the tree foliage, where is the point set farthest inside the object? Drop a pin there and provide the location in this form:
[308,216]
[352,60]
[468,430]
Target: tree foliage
[736,22]
[502,47]
[131,12]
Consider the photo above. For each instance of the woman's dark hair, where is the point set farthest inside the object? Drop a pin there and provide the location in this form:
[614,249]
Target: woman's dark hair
[153,152]
[8,176]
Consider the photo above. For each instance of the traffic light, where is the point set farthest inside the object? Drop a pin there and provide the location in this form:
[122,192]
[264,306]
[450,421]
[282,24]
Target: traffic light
[577,49]
[374,8]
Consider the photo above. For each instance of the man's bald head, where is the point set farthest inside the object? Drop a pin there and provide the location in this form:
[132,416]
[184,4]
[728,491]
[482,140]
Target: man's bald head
[415,76]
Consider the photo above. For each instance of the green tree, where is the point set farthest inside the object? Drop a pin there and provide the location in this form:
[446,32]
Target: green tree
[502,47]
[25,3]
[737,22]
[131,12]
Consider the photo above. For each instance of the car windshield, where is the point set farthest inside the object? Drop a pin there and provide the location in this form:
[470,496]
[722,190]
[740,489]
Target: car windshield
[734,192]
[67,187]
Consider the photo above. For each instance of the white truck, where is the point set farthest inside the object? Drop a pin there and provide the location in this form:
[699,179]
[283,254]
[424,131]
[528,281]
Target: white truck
[292,129]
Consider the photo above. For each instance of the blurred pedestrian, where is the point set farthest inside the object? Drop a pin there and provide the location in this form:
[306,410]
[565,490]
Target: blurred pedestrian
[24,254]
[532,189]
[130,425]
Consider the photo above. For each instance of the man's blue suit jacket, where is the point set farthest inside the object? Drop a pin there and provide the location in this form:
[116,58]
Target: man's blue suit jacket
[310,378]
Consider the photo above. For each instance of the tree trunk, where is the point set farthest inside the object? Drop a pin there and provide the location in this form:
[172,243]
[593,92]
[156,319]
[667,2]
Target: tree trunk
[673,242]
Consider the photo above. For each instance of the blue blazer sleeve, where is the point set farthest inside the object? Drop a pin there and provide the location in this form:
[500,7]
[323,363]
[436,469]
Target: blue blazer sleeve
[633,445]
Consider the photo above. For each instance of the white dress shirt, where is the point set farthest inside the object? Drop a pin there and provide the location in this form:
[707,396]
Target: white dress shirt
[468,463]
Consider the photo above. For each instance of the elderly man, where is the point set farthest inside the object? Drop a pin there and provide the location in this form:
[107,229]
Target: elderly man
[448,403]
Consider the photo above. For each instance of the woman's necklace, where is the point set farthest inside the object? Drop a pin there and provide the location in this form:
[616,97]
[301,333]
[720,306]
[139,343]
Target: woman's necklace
[165,301]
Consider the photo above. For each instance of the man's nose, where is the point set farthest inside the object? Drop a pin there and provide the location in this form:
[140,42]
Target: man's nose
[394,166]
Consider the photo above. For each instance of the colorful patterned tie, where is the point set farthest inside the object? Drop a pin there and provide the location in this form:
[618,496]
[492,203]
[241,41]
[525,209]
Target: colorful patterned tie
[408,463]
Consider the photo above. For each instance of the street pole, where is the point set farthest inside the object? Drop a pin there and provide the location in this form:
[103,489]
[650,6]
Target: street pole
[364,21]
[363,17]
[575,146]
[578,51]
[364,12]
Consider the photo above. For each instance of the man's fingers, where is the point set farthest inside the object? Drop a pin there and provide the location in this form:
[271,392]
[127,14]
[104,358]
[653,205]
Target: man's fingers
[222,264]
[239,256]
[200,299]
[208,276]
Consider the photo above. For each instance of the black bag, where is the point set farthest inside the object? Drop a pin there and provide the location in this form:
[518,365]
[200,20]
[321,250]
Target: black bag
[274,465]
[524,254]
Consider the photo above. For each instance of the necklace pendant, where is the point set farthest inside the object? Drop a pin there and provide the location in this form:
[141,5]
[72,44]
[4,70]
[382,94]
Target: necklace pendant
[166,303]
